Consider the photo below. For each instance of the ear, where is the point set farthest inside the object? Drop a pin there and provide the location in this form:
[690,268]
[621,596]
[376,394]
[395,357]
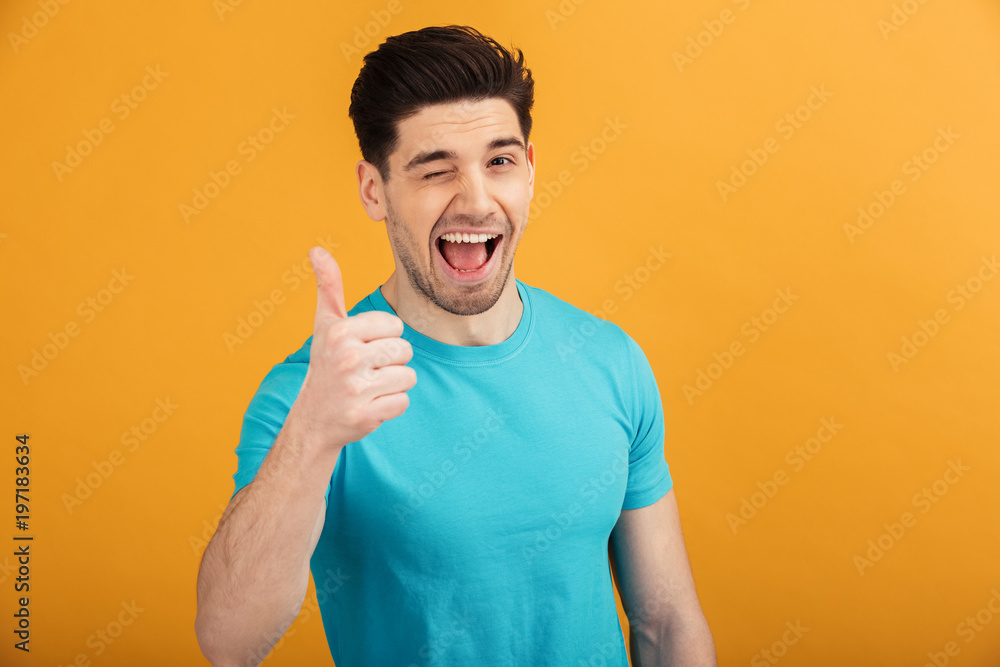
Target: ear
[371,190]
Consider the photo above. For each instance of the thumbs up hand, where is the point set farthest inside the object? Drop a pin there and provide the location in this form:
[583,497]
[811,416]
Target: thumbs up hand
[357,376]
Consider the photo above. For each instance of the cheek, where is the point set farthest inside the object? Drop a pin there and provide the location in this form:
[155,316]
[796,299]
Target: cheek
[420,214]
[514,198]
[517,207]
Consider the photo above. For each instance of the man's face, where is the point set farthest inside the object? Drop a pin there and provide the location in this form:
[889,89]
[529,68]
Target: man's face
[459,168]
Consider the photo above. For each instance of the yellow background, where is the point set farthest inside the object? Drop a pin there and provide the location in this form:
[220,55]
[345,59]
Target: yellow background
[682,128]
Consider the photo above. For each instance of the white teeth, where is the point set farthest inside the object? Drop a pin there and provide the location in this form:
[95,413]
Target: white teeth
[456,237]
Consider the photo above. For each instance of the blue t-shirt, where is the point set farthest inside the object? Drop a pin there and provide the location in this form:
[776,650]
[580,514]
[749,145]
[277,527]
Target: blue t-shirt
[473,529]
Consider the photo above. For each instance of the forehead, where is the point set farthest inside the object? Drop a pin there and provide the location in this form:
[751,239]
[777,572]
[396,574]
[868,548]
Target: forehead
[454,123]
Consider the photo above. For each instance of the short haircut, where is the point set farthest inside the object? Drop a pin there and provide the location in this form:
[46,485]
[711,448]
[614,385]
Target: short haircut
[433,65]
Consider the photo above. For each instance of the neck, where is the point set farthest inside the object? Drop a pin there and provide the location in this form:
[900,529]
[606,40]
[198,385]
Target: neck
[487,328]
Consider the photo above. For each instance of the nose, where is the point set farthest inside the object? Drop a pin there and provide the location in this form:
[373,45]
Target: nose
[474,197]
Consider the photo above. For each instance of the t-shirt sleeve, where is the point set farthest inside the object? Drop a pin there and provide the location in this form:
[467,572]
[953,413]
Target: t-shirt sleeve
[264,419]
[648,473]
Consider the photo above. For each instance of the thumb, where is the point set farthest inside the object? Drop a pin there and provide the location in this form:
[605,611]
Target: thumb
[329,284]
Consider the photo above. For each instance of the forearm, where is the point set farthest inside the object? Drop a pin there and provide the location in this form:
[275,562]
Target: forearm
[255,571]
[683,642]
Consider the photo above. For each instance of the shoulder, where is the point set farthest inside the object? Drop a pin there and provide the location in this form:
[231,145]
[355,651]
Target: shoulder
[571,326]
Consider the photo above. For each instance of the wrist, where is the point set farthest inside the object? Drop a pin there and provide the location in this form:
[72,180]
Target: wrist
[311,450]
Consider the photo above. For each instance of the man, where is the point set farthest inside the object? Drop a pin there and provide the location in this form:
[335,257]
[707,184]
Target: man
[452,481]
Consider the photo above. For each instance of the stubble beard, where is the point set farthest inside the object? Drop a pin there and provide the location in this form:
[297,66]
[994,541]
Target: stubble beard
[471,300]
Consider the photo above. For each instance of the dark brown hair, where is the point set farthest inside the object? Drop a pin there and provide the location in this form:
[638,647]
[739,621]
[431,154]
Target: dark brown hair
[433,65]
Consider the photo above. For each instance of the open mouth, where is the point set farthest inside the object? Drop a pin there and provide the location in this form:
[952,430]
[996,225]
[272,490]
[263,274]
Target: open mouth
[468,253]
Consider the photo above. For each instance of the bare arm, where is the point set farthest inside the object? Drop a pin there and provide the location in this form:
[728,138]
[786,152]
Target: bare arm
[667,627]
[255,572]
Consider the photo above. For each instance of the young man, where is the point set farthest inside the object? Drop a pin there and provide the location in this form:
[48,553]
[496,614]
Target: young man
[454,483]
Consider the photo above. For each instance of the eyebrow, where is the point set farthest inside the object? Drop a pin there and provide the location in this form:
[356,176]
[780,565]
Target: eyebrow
[440,154]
